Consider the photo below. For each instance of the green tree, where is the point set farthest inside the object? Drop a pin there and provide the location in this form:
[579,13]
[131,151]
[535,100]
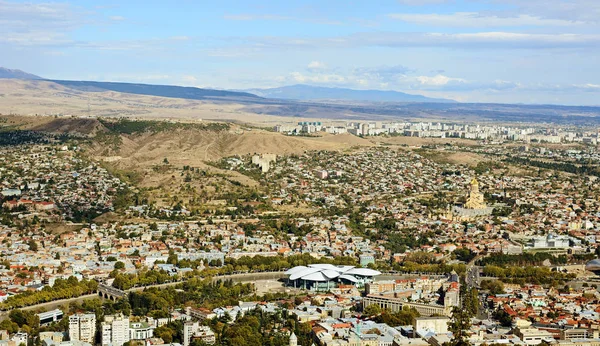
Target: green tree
[459,325]
[372,310]
[33,246]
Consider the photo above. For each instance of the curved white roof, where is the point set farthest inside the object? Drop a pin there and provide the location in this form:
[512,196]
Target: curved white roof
[349,278]
[295,270]
[304,272]
[332,274]
[323,266]
[325,272]
[363,272]
[318,276]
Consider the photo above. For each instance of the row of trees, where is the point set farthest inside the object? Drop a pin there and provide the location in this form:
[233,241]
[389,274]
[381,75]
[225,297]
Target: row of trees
[525,259]
[62,289]
[144,277]
[529,274]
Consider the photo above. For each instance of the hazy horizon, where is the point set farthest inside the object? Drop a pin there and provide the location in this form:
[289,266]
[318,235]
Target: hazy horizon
[500,51]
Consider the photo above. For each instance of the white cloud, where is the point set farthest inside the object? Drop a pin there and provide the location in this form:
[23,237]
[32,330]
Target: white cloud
[479,20]
[189,78]
[117,18]
[390,78]
[571,10]
[28,24]
[317,65]
[474,40]
[438,80]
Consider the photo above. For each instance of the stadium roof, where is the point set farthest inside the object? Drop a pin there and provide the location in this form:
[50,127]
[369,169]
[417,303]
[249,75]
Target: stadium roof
[326,272]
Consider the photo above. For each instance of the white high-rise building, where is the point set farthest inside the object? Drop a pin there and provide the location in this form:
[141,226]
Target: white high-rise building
[195,330]
[115,330]
[82,327]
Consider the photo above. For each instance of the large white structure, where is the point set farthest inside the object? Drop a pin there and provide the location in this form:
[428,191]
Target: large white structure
[193,330]
[115,330]
[425,326]
[82,327]
[50,316]
[263,161]
[140,330]
[550,241]
[325,276]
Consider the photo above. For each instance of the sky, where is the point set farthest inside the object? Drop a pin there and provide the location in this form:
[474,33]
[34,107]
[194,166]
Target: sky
[508,51]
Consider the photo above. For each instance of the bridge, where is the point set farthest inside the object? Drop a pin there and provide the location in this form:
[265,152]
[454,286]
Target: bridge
[109,292]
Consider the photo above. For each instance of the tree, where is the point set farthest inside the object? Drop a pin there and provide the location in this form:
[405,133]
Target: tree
[503,317]
[119,265]
[459,326]
[32,245]
[24,318]
[372,310]
[494,286]
[172,259]
[464,254]
[9,326]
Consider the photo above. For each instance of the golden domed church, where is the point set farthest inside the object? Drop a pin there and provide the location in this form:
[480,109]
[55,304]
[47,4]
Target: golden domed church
[473,208]
[475,198]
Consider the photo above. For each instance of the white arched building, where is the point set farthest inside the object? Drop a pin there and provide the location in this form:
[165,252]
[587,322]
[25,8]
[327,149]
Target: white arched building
[322,277]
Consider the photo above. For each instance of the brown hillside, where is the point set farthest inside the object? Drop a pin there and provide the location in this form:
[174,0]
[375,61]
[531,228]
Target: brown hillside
[80,126]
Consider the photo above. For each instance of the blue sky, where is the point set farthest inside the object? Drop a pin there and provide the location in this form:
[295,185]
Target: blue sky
[515,51]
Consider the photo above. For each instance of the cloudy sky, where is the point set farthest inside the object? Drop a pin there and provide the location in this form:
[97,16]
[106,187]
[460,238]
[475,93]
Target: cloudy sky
[516,51]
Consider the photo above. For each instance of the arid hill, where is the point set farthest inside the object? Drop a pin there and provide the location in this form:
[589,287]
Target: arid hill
[154,153]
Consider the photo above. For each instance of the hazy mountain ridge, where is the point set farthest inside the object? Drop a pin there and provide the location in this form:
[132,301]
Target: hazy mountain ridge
[42,96]
[172,91]
[190,93]
[308,92]
[16,74]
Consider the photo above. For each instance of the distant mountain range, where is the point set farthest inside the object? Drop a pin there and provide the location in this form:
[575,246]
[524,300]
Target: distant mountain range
[16,74]
[299,92]
[189,93]
[298,101]
[308,92]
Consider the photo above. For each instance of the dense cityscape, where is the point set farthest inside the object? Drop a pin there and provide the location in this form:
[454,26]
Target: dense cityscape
[300,173]
[375,245]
